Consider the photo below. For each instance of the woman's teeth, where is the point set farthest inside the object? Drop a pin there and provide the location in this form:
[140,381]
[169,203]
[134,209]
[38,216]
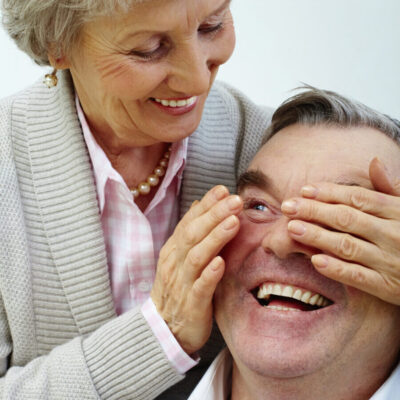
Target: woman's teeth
[177,103]
[288,291]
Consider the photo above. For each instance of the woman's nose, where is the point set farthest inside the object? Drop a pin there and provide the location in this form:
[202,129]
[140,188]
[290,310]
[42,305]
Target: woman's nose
[277,241]
[192,71]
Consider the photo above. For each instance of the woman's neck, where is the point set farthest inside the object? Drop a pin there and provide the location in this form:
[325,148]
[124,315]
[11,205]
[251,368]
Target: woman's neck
[135,164]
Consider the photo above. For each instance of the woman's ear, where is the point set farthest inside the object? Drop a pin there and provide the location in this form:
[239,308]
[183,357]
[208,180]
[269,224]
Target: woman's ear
[59,63]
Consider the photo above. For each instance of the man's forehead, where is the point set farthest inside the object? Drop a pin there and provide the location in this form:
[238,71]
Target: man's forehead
[260,180]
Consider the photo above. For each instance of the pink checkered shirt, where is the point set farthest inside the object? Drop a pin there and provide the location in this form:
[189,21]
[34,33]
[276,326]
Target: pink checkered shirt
[133,239]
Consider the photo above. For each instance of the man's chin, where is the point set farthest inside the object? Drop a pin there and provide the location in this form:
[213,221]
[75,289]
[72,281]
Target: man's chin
[281,360]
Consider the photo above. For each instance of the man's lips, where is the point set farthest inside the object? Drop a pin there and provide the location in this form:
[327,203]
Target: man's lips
[285,297]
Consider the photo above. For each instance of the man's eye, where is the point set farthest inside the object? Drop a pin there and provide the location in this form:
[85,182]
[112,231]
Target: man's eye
[258,211]
[260,207]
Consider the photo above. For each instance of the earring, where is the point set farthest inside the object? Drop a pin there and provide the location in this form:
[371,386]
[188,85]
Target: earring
[51,80]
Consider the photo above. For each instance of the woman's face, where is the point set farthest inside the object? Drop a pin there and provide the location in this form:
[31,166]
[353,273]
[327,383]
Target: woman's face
[143,77]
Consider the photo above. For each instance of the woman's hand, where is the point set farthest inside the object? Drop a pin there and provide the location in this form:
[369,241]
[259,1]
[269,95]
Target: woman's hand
[189,267]
[357,229]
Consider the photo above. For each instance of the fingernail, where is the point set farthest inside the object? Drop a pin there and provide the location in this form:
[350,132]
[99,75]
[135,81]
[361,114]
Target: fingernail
[229,223]
[220,192]
[234,202]
[289,206]
[216,263]
[296,227]
[319,261]
[393,179]
[309,191]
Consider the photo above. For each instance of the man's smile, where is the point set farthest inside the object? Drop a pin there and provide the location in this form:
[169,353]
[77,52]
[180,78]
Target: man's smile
[284,297]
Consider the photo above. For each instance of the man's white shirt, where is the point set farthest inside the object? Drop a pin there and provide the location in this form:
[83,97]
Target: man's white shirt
[216,382]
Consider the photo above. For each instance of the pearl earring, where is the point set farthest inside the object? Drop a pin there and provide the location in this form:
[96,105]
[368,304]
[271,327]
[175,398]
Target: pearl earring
[51,80]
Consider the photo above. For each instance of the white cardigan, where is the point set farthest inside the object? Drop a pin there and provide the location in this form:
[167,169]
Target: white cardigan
[59,335]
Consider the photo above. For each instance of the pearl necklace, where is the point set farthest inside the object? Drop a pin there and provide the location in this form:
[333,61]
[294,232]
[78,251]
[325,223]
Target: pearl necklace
[153,179]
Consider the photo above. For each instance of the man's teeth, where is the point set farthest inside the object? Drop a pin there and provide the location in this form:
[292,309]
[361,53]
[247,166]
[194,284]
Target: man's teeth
[177,103]
[305,296]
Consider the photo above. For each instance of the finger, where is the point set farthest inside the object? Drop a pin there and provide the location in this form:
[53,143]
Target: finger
[201,254]
[192,232]
[368,201]
[204,287]
[354,275]
[212,197]
[342,245]
[336,216]
[381,178]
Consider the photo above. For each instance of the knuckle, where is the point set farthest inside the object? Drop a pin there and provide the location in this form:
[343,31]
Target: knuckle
[310,210]
[344,218]
[347,247]
[359,199]
[194,258]
[190,234]
[216,214]
[358,277]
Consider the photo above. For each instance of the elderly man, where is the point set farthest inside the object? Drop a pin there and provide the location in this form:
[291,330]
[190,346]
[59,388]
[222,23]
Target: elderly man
[291,332]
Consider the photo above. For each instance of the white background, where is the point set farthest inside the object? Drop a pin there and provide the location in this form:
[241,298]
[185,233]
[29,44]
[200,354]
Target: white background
[351,46]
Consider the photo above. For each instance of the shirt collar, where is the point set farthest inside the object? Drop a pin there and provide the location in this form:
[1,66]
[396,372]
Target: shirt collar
[216,382]
[391,387]
[104,171]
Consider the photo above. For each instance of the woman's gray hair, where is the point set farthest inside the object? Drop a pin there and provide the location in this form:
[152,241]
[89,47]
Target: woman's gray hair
[41,26]
[323,107]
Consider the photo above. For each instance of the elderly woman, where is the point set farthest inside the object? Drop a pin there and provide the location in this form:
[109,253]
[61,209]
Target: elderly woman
[92,162]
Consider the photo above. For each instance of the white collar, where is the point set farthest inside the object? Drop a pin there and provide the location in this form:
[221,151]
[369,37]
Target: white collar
[216,382]
[390,388]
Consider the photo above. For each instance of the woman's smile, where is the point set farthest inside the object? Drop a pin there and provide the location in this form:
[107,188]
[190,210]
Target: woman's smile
[143,78]
[177,106]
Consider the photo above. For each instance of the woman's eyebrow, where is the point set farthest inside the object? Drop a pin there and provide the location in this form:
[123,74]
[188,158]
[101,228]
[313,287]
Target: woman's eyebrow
[223,6]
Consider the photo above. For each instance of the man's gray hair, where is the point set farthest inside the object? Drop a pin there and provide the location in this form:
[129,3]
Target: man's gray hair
[323,107]
[41,26]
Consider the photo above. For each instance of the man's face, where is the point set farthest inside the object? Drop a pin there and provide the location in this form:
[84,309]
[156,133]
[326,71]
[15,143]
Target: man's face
[283,337]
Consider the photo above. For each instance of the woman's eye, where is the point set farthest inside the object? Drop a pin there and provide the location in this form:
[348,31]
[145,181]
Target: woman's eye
[210,28]
[151,54]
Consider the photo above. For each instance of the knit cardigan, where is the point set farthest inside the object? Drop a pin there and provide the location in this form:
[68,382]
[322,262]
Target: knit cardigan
[59,335]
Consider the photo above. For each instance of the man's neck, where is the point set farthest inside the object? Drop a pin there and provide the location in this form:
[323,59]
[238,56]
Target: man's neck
[350,384]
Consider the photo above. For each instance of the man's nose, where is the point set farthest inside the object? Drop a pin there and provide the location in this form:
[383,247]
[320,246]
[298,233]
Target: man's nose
[278,242]
[191,70]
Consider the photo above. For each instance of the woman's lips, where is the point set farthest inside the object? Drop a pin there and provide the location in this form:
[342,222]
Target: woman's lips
[176,106]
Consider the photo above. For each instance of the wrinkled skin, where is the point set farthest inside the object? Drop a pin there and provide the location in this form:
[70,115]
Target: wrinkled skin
[357,229]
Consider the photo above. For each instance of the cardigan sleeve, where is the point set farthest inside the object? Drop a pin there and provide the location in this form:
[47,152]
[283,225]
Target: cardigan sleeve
[55,353]
[120,360]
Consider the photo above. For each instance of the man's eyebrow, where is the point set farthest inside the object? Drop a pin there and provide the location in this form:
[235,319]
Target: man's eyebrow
[253,178]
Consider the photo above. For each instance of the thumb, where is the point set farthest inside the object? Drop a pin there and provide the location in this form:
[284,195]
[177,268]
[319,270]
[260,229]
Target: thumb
[382,179]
